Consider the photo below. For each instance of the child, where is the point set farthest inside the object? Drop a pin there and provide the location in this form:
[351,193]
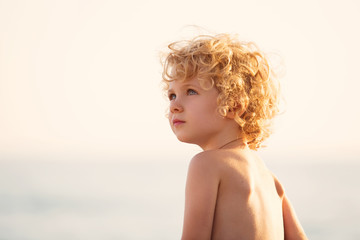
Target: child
[223,95]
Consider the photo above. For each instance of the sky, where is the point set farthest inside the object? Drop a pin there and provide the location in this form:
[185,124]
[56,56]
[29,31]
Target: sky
[80,79]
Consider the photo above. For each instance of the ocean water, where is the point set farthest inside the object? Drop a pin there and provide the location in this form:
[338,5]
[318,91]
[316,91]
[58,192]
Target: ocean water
[145,200]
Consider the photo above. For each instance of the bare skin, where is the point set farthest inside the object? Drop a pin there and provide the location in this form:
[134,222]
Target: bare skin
[230,194]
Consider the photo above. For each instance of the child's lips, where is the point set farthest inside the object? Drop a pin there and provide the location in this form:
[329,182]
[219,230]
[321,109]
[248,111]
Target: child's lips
[177,122]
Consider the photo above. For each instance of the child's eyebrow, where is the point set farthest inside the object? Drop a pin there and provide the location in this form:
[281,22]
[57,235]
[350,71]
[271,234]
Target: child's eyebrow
[183,86]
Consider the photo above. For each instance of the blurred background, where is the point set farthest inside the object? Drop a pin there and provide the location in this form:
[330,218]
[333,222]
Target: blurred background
[86,151]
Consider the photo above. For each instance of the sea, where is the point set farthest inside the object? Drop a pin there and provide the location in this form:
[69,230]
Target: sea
[130,200]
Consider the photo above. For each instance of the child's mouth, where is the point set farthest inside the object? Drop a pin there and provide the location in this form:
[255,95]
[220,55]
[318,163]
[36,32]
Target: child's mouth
[177,122]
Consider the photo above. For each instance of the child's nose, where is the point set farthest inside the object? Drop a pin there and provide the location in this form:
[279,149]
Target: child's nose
[176,107]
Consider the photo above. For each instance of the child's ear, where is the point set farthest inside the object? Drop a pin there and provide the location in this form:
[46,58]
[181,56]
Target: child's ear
[233,112]
[230,114]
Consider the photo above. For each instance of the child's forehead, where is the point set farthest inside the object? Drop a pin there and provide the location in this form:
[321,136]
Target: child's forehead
[184,83]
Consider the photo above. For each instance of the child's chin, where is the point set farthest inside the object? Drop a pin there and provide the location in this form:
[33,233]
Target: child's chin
[184,139]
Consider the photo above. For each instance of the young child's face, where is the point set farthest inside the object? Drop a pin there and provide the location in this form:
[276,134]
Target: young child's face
[193,112]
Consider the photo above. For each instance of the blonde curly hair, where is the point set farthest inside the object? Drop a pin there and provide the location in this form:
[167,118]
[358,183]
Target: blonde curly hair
[241,73]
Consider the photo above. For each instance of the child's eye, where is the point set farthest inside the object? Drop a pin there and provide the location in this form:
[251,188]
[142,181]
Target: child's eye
[191,92]
[172,96]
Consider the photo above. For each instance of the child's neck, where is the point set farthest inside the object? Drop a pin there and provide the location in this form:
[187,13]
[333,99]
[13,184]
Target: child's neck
[237,141]
[226,140]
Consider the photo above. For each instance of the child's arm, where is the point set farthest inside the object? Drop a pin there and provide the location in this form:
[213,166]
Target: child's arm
[292,226]
[200,197]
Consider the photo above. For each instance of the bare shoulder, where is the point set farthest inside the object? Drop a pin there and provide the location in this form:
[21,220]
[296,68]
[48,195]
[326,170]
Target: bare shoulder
[204,165]
[205,156]
[211,159]
[279,187]
[218,161]
[232,169]
[200,196]
[292,227]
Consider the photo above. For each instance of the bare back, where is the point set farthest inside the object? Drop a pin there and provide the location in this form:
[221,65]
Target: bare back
[249,199]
